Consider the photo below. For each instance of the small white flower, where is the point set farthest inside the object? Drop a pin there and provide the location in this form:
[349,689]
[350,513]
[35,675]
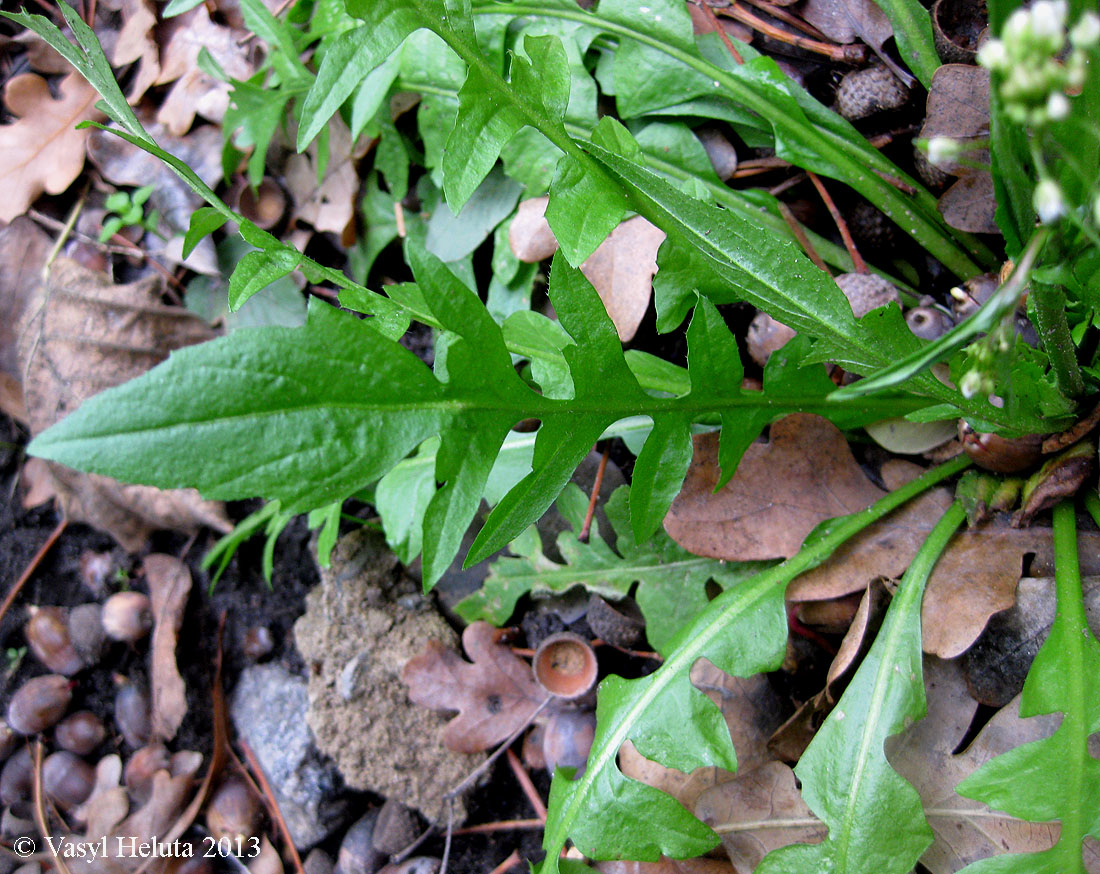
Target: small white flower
[1048,201]
[1086,32]
[992,55]
[1057,106]
[970,384]
[942,151]
[1017,27]
[1048,17]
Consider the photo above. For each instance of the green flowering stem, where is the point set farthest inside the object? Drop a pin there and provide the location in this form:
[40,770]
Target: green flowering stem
[1048,305]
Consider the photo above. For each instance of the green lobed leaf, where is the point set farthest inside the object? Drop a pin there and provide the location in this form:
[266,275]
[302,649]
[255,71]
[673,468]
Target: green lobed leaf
[1055,778]
[876,823]
[742,632]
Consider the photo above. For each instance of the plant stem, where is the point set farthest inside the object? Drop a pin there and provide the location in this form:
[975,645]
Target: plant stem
[1048,303]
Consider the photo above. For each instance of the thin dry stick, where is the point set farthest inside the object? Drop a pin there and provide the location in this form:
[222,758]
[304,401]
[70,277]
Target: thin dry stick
[713,19]
[14,591]
[136,250]
[513,859]
[272,805]
[524,780]
[501,826]
[89,14]
[849,54]
[800,235]
[786,17]
[54,225]
[841,225]
[40,807]
[786,184]
[587,526]
[636,653]
[63,234]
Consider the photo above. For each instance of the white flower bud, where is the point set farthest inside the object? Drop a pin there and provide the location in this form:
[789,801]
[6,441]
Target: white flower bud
[1048,201]
[1057,106]
[970,384]
[1048,17]
[992,55]
[1017,27]
[942,151]
[1086,32]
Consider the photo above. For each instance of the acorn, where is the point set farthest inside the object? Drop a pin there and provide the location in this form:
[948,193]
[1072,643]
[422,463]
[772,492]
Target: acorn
[39,703]
[127,616]
[86,632]
[928,323]
[17,778]
[395,828]
[132,714]
[567,739]
[9,741]
[47,634]
[357,854]
[233,811]
[67,779]
[870,90]
[866,292]
[1000,454]
[139,770]
[415,865]
[318,862]
[80,732]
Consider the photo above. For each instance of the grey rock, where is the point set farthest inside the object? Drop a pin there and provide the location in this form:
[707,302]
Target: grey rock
[269,711]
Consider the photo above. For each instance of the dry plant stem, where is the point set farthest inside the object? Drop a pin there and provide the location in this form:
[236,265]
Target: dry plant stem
[636,653]
[137,251]
[503,825]
[513,859]
[524,780]
[800,235]
[89,14]
[272,806]
[787,184]
[841,225]
[596,486]
[721,31]
[29,570]
[786,17]
[450,834]
[849,54]
[40,808]
[54,225]
[809,634]
[63,234]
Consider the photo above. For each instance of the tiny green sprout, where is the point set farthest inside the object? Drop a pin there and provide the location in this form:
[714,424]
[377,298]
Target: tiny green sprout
[14,657]
[128,211]
[121,578]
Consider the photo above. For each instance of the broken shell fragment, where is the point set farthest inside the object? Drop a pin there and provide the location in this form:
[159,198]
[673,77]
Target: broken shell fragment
[565,665]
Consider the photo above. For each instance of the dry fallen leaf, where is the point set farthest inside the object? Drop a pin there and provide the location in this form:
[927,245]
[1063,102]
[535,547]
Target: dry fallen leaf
[329,206]
[108,804]
[757,812]
[169,583]
[782,489]
[494,696]
[82,335]
[134,41]
[665,865]
[193,92]
[621,269]
[969,204]
[23,250]
[845,21]
[753,711]
[42,150]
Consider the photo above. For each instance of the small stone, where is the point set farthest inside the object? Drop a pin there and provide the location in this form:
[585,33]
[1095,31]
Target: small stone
[352,680]
[870,90]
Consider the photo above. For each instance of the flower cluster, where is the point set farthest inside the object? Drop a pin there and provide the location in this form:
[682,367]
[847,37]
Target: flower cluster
[1037,74]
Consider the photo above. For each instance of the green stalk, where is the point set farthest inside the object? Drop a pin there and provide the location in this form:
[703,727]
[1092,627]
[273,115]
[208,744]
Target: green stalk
[914,216]
[1048,302]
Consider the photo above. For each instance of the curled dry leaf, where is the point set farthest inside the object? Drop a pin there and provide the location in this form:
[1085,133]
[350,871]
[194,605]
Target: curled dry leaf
[494,696]
[759,811]
[193,92]
[42,149]
[330,205]
[753,711]
[169,583]
[84,334]
[134,41]
[1059,478]
[621,269]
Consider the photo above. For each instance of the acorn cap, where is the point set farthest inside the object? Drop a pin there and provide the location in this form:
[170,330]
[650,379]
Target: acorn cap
[565,665]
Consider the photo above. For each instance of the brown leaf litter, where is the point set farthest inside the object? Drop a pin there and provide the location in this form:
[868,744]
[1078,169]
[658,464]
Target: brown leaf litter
[169,582]
[84,334]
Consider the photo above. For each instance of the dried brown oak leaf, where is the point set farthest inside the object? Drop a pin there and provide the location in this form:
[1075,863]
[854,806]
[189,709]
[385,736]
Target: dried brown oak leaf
[132,41]
[753,711]
[621,269]
[42,149]
[845,21]
[782,489]
[84,334]
[169,583]
[494,696]
[330,204]
[757,812]
[193,92]
[806,474]
[967,830]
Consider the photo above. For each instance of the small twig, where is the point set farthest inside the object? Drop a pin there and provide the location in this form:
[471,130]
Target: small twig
[513,859]
[725,37]
[89,14]
[40,808]
[636,653]
[786,184]
[63,235]
[809,634]
[137,251]
[900,184]
[450,833]
[54,225]
[524,780]
[596,486]
[786,17]
[857,260]
[503,825]
[14,591]
[800,235]
[853,53]
[272,805]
